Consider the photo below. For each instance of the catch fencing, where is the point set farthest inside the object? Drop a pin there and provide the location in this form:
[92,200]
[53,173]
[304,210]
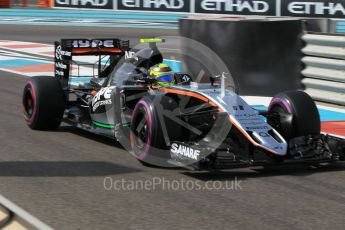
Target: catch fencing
[324,72]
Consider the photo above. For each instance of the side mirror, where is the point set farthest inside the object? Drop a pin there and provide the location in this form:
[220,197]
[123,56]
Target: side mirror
[183,78]
[140,78]
[97,82]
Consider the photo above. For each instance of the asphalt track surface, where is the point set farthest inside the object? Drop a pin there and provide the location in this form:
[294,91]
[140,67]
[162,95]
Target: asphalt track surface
[59,176]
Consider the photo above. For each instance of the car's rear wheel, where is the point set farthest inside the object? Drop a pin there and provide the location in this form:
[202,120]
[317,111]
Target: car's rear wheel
[43,103]
[305,118]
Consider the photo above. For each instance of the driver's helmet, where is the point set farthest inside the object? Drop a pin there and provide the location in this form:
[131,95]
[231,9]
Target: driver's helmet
[163,74]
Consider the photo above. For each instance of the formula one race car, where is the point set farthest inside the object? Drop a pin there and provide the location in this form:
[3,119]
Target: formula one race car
[188,124]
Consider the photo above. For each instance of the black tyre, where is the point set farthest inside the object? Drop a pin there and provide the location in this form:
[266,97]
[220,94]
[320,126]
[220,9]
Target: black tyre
[149,128]
[43,103]
[305,116]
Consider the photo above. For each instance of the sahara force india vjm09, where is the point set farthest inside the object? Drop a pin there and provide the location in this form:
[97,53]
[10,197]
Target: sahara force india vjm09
[184,123]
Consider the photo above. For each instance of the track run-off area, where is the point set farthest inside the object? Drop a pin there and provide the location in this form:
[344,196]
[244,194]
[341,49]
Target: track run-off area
[87,18]
[66,178]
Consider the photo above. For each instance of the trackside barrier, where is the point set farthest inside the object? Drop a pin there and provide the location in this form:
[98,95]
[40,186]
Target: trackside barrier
[325,25]
[337,25]
[324,70]
[13,217]
[263,54]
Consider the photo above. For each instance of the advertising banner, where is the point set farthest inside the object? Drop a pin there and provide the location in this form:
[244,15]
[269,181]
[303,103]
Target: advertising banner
[314,8]
[88,4]
[155,5]
[238,7]
[295,8]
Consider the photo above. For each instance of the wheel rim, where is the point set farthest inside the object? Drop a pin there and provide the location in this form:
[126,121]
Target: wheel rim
[29,104]
[279,109]
[141,132]
[281,106]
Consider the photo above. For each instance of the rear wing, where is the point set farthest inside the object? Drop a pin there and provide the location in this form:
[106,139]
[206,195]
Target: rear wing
[66,48]
[93,46]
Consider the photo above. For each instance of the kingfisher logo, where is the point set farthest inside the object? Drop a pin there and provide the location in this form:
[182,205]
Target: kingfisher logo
[59,53]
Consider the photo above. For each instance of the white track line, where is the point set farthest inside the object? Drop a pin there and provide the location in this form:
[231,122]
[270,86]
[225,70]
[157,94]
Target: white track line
[22,214]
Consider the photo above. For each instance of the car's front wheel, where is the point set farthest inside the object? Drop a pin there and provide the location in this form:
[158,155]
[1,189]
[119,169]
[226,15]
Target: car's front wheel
[304,118]
[149,130]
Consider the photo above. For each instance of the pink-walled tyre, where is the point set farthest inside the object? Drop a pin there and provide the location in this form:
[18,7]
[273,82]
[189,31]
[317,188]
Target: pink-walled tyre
[43,103]
[148,141]
[305,115]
